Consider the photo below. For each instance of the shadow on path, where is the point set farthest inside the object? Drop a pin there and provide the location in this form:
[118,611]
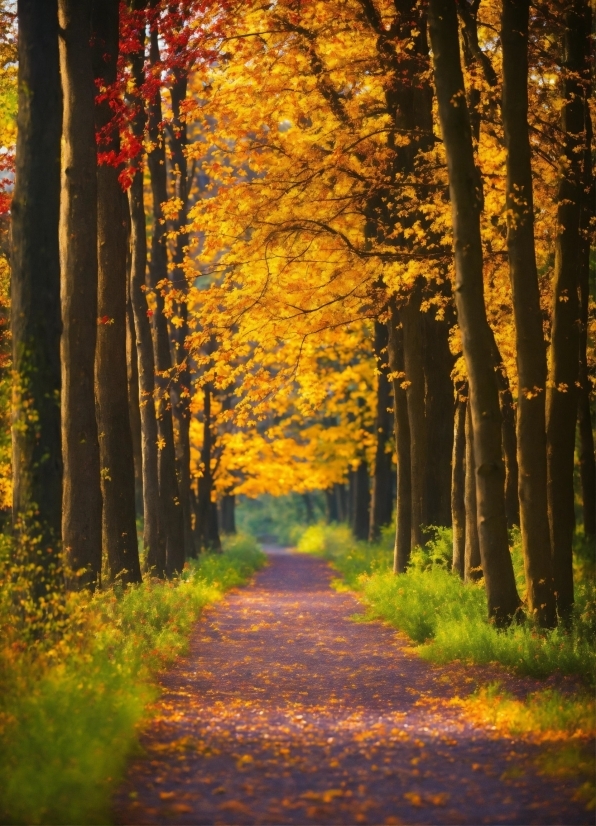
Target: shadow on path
[287,712]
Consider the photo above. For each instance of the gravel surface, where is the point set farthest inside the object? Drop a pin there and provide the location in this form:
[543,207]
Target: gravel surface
[286,711]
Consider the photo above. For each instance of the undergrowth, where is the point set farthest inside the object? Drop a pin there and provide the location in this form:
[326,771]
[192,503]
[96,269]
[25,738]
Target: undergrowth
[71,704]
[447,618]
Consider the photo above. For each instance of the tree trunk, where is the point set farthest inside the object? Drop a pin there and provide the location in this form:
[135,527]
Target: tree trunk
[228,513]
[403,514]
[81,503]
[381,508]
[587,462]
[134,405]
[350,497]
[438,364]
[508,431]
[35,295]
[561,402]
[153,517]
[458,486]
[154,539]
[331,506]
[119,529]
[472,563]
[413,339]
[502,597]
[207,531]
[341,499]
[361,501]
[182,386]
[530,344]
[308,508]
[158,272]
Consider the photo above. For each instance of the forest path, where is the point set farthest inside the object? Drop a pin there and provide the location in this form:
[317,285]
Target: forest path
[286,711]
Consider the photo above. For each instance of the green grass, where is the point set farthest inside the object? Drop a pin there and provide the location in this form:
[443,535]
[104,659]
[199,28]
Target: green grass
[70,712]
[447,618]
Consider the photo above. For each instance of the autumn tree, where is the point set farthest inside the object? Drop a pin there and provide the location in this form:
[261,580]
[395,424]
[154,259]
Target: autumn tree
[503,600]
[36,313]
[119,533]
[561,403]
[81,502]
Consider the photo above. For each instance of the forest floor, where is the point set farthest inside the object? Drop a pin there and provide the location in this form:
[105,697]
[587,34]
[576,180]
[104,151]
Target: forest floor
[286,711]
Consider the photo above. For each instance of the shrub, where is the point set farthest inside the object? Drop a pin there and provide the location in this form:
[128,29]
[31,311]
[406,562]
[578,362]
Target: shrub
[449,618]
[70,709]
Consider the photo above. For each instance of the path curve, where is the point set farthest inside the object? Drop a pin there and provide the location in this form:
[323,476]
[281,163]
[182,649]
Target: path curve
[286,711]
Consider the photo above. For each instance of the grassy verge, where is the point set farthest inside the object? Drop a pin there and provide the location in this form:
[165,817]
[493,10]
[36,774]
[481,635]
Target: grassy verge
[70,711]
[564,725]
[448,620]
[446,617]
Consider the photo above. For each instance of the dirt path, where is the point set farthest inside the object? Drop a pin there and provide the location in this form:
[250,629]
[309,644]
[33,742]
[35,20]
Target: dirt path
[287,712]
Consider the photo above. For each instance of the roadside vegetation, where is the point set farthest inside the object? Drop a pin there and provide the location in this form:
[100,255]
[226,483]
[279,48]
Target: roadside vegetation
[447,617]
[72,701]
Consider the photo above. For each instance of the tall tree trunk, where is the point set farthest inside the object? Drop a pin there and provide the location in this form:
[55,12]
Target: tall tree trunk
[207,529]
[502,596]
[134,404]
[438,364]
[472,562]
[381,507]
[458,502]
[158,272]
[331,506]
[35,295]
[561,402]
[530,344]
[413,339]
[154,536]
[361,501]
[182,386]
[308,508]
[350,497]
[341,499]
[403,513]
[508,431]
[119,530]
[228,513]
[81,504]
[587,460]
[154,539]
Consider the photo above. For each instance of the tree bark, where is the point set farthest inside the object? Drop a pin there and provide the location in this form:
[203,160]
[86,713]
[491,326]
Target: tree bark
[439,406]
[403,514]
[341,499]
[413,344]
[119,530]
[530,344]
[153,517]
[158,272]
[35,295]
[458,501]
[472,560]
[562,397]
[182,386]
[134,405]
[81,504]
[154,539]
[502,597]
[207,528]
[361,501]
[381,507]
[587,461]
[228,513]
